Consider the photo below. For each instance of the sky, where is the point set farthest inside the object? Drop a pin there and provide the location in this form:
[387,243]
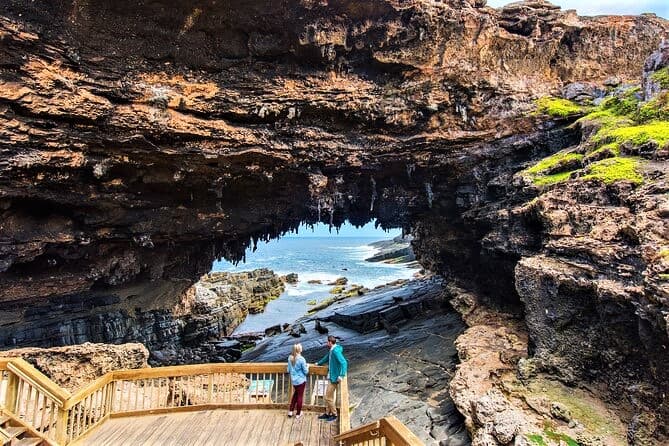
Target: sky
[608,7]
[347,230]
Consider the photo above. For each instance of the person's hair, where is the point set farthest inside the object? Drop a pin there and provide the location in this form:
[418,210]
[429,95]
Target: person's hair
[332,339]
[297,349]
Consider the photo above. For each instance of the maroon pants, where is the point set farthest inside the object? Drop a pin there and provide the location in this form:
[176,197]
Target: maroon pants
[298,396]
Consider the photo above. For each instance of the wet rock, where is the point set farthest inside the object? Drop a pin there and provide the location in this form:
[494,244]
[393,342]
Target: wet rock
[339,282]
[560,412]
[290,278]
[297,330]
[273,330]
[405,375]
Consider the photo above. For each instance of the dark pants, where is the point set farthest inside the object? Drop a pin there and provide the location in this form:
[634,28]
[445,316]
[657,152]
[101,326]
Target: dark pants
[298,397]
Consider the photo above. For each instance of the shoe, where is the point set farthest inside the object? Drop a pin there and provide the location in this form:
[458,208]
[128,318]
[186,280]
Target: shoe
[331,418]
[290,414]
[298,416]
[324,416]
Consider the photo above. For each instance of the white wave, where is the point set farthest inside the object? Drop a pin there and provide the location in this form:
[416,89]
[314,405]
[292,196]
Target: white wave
[301,291]
[318,275]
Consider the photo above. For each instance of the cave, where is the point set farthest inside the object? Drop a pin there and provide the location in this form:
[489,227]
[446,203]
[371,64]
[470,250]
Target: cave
[141,141]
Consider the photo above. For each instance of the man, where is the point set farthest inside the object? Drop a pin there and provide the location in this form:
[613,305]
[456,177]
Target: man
[337,366]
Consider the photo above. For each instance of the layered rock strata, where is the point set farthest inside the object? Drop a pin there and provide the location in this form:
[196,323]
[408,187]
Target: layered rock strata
[194,330]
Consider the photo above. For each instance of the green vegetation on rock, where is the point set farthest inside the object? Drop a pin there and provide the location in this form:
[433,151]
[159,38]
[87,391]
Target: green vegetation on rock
[614,169]
[655,109]
[557,438]
[536,439]
[558,107]
[546,180]
[656,131]
[554,161]
[595,417]
[555,168]
[661,77]
[617,127]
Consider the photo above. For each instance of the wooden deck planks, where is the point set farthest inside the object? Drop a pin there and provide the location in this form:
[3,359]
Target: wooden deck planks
[215,427]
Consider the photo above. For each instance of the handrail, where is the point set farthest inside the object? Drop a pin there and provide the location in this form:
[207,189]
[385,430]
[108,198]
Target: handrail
[25,370]
[88,389]
[374,425]
[398,433]
[65,417]
[389,428]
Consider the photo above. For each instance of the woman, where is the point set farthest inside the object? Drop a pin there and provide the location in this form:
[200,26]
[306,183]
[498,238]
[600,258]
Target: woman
[298,369]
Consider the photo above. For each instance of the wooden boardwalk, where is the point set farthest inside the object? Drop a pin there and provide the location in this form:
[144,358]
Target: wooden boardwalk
[267,427]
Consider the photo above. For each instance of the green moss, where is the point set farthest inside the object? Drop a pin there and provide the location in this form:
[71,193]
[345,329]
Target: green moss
[664,276]
[624,105]
[657,131]
[547,180]
[661,77]
[558,107]
[657,109]
[536,440]
[337,290]
[615,169]
[311,302]
[561,438]
[554,161]
[605,151]
[560,165]
[664,253]
[588,411]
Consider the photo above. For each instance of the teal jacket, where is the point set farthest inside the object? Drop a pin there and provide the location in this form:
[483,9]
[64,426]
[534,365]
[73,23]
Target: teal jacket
[337,364]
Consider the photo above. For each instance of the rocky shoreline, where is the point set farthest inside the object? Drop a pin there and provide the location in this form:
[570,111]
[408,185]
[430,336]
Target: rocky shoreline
[396,339]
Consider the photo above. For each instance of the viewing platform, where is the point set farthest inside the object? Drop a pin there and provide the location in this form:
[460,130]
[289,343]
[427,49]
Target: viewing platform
[204,404]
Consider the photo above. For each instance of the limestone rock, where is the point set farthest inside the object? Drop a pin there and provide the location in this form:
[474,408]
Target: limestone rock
[73,367]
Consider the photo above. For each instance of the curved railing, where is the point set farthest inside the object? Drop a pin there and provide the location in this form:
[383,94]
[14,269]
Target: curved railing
[386,431]
[59,418]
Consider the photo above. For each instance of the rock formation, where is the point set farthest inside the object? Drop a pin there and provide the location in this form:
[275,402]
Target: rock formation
[140,141]
[192,331]
[90,361]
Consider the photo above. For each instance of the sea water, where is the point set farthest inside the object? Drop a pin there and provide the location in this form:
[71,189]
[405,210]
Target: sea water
[323,258]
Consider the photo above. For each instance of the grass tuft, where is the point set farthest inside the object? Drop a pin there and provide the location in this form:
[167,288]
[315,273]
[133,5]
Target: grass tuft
[558,107]
[614,169]
[661,77]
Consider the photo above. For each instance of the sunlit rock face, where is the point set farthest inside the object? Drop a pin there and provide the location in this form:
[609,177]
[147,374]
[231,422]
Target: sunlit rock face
[142,140]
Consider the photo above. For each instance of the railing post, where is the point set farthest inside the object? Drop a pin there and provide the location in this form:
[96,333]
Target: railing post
[344,414]
[111,397]
[61,426]
[210,388]
[12,391]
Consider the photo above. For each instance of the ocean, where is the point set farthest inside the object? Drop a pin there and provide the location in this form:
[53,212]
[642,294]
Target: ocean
[313,258]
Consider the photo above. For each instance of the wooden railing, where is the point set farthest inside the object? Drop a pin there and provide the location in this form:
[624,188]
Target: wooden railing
[60,417]
[384,432]
[32,398]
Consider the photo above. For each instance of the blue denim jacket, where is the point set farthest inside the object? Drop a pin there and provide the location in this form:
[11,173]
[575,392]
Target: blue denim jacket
[298,372]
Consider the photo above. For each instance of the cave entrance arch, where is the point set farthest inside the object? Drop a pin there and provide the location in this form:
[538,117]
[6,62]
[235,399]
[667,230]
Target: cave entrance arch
[319,264]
